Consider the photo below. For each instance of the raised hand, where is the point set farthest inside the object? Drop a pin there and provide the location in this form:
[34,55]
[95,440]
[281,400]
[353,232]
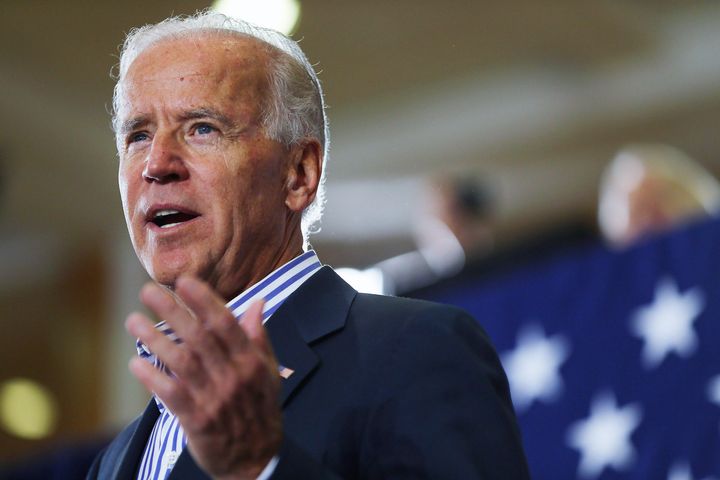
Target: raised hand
[224,385]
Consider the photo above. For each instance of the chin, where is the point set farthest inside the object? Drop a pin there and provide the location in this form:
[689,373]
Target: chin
[167,271]
[163,276]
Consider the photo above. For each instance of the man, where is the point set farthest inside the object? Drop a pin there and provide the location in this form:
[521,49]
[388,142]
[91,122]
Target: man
[221,137]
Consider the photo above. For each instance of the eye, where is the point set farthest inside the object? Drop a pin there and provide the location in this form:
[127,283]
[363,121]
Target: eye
[137,137]
[204,129]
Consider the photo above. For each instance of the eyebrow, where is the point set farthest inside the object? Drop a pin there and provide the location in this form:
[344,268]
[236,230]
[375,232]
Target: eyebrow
[194,114]
[133,124]
[199,113]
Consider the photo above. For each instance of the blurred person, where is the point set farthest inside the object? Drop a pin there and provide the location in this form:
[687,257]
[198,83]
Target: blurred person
[651,188]
[455,226]
[457,238]
[222,140]
[466,206]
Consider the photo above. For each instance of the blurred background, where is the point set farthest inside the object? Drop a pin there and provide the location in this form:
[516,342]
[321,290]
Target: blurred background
[468,140]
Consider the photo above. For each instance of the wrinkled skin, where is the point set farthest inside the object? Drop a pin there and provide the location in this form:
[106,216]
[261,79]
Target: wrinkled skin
[191,139]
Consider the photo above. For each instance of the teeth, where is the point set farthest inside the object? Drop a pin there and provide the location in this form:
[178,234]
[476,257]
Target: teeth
[171,225]
[164,213]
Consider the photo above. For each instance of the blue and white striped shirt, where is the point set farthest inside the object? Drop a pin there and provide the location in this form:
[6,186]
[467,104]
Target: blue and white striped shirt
[167,439]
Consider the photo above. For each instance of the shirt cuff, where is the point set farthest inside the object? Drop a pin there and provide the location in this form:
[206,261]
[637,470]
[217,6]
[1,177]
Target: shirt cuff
[269,468]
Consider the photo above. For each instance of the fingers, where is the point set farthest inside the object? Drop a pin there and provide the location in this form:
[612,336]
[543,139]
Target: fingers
[252,325]
[170,392]
[211,334]
[184,363]
[197,337]
[178,317]
[206,305]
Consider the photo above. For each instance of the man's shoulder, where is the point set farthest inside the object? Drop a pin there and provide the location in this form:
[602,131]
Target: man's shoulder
[405,303]
[380,321]
[411,327]
[410,313]
[326,295]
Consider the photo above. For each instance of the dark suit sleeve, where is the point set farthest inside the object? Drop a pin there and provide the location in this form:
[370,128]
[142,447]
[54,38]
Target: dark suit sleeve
[295,463]
[444,411]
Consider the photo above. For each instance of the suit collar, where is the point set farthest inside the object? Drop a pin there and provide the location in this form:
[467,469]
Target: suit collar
[318,308]
[129,458]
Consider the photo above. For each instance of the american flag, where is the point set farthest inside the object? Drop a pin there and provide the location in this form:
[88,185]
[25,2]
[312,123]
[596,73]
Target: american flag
[613,357]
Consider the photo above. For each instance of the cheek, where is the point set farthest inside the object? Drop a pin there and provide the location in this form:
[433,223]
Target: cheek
[127,195]
[242,198]
[246,183]
[123,187]
[237,176]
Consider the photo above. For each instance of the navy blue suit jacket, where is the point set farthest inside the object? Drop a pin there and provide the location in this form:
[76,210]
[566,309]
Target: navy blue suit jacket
[383,388]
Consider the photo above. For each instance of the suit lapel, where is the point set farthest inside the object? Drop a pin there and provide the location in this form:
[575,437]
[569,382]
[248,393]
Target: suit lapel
[130,458]
[318,308]
[292,352]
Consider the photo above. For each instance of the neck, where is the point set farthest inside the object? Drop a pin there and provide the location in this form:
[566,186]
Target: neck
[264,263]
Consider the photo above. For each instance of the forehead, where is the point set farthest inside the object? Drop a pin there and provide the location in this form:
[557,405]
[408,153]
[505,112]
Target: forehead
[199,68]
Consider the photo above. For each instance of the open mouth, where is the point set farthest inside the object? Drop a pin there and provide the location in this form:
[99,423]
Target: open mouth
[167,218]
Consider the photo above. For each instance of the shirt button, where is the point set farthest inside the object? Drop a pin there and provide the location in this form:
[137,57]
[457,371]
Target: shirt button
[172,458]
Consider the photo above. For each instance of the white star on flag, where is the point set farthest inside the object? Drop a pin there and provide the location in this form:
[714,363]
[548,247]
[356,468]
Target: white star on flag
[681,471]
[713,390]
[603,438]
[533,366]
[666,324]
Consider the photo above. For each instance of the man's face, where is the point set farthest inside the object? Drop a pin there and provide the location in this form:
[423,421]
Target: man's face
[203,189]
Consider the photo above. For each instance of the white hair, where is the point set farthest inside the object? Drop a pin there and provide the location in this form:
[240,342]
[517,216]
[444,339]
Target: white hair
[295,109]
[683,188]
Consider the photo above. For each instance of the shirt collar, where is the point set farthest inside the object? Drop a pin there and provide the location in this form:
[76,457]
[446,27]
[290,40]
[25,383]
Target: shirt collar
[275,288]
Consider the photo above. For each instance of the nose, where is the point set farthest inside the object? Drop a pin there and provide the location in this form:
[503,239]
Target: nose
[165,162]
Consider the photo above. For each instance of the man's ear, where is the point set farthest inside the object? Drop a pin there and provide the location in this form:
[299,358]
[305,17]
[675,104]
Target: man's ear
[304,174]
